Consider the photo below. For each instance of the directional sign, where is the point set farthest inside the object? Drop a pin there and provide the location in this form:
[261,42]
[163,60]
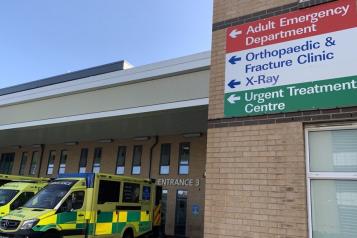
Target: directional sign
[302,60]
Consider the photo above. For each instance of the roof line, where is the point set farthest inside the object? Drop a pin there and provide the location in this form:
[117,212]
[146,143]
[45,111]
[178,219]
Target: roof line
[84,73]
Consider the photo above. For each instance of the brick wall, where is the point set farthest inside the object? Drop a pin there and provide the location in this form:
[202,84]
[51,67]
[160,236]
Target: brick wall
[194,223]
[255,182]
[255,170]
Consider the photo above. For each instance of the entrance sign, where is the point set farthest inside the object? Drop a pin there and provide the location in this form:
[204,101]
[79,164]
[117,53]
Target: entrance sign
[303,60]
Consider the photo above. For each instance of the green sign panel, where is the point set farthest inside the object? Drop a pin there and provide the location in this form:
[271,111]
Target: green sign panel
[341,92]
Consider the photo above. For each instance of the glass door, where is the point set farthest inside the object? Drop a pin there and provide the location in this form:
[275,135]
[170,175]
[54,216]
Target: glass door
[181,213]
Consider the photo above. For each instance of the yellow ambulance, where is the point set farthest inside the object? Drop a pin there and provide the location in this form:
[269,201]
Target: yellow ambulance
[15,191]
[88,205]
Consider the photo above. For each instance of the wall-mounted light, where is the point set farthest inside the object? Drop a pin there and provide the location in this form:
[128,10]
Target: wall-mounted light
[192,135]
[106,141]
[16,147]
[142,138]
[36,146]
[71,143]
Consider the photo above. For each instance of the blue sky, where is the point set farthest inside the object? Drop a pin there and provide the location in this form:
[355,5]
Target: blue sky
[42,38]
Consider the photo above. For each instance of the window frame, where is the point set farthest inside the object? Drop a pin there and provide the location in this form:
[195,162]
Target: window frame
[48,162]
[94,158]
[179,159]
[132,162]
[351,176]
[117,162]
[36,152]
[80,160]
[161,158]
[22,167]
[60,162]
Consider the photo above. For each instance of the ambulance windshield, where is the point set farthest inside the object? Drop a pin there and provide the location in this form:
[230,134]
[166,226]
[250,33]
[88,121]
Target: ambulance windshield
[51,195]
[6,195]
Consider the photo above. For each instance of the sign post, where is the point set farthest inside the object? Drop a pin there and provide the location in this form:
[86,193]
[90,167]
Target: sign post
[303,60]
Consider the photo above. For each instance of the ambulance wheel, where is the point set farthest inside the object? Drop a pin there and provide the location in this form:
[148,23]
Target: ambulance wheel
[128,234]
[51,234]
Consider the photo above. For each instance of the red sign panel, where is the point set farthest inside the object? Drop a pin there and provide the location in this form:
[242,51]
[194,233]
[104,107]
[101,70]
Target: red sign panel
[291,26]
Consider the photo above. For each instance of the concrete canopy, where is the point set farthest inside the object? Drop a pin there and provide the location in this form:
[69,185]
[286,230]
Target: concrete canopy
[168,122]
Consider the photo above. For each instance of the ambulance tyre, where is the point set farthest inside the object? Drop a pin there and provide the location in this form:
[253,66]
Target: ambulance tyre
[51,234]
[128,234]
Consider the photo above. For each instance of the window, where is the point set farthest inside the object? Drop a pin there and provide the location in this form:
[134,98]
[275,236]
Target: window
[73,202]
[131,192]
[121,160]
[21,200]
[163,208]
[51,162]
[97,160]
[184,158]
[83,160]
[34,162]
[146,195]
[332,182]
[63,161]
[6,163]
[23,163]
[108,191]
[136,168]
[165,159]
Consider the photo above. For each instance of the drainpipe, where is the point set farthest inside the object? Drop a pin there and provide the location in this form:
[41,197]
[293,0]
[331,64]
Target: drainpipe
[152,154]
[41,158]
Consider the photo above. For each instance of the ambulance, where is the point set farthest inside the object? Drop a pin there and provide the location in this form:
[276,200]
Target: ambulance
[15,191]
[88,205]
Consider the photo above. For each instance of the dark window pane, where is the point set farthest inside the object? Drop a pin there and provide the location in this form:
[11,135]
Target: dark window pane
[51,162]
[23,163]
[184,158]
[63,161]
[83,160]
[121,160]
[131,192]
[108,191]
[6,163]
[136,169]
[97,160]
[146,195]
[34,162]
[165,159]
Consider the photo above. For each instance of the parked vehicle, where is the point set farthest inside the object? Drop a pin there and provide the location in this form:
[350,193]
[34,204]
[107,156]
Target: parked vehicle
[88,205]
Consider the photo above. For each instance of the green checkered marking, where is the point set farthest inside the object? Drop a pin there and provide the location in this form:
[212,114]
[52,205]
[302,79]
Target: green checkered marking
[133,216]
[105,217]
[66,217]
[118,227]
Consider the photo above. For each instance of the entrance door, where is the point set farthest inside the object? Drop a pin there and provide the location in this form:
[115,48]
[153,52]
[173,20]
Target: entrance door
[6,163]
[181,213]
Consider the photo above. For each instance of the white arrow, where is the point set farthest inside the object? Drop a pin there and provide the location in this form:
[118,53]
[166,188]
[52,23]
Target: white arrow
[232,99]
[235,33]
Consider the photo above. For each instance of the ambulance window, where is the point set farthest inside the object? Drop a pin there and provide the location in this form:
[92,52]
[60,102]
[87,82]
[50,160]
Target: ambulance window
[138,150]
[6,195]
[73,202]
[108,191]
[146,193]
[51,162]
[83,160]
[121,160]
[34,162]
[97,160]
[21,200]
[131,192]
[23,163]
[165,158]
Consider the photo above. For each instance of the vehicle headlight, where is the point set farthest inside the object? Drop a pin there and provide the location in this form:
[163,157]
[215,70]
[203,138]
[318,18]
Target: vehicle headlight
[28,224]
